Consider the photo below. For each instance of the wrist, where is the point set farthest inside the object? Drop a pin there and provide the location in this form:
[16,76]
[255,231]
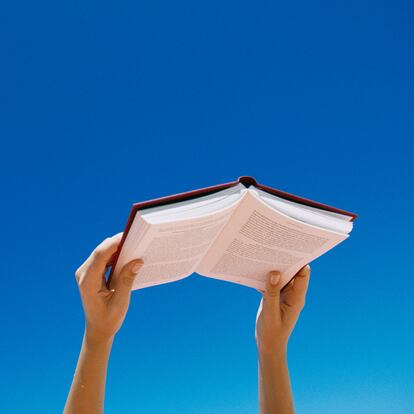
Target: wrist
[271,361]
[272,351]
[95,338]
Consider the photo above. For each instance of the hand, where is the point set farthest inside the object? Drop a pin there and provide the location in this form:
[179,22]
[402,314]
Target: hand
[279,311]
[105,308]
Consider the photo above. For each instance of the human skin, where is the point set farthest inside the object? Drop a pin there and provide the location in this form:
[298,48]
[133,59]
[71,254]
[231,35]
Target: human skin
[105,310]
[278,313]
[106,307]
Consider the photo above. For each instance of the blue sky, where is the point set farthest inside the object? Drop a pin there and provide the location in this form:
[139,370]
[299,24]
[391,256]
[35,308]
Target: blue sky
[107,103]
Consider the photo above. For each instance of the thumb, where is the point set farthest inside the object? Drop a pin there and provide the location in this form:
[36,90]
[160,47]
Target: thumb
[271,296]
[125,279]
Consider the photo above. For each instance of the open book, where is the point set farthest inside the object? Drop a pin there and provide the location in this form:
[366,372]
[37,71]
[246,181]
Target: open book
[236,232]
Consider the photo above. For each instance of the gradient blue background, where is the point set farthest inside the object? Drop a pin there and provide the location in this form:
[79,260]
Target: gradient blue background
[106,103]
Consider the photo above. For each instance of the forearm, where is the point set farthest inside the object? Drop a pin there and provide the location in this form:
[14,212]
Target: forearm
[87,392]
[275,394]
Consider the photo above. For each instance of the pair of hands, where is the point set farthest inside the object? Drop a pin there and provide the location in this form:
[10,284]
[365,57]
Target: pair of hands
[106,307]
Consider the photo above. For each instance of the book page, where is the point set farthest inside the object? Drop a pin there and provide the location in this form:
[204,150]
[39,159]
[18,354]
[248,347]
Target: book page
[258,239]
[171,250]
[194,207]
[307,214]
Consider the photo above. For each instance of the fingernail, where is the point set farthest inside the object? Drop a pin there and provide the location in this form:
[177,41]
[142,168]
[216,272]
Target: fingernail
[274,278]
[136,267]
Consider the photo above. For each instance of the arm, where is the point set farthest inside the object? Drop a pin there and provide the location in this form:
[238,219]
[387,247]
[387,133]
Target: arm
[105,310]
[276,318]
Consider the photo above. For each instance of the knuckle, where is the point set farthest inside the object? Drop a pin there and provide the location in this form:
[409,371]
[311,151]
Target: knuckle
[78,274]
[108,242]
[128,280]
[82,285]
[105,241]
[97,253]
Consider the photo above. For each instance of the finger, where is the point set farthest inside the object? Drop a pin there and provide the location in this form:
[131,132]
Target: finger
[271,297]
[100,257]
[103,253]
[122,282]
[92,271]
[259,311]
[296,294]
